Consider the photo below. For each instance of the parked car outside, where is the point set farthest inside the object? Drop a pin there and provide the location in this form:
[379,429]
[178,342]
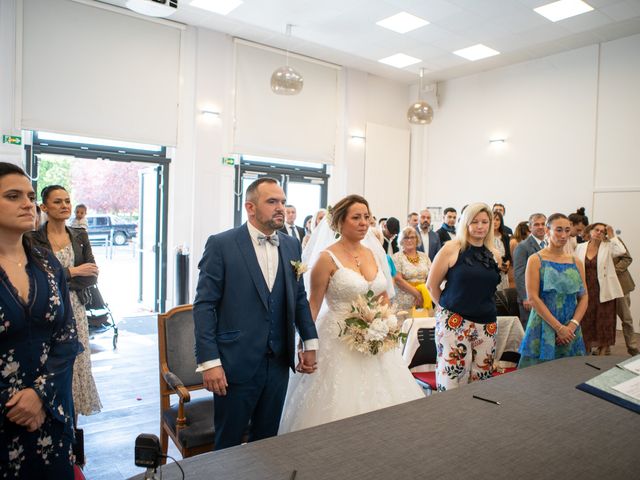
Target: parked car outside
[120,231]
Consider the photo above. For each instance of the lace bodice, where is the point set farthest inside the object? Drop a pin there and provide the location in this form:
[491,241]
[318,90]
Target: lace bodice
[346,284]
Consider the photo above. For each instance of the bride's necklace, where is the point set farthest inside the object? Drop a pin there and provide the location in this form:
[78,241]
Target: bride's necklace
[20,263]
[356,258]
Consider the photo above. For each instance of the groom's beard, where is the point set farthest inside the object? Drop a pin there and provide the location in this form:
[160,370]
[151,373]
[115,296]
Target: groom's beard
[275,223]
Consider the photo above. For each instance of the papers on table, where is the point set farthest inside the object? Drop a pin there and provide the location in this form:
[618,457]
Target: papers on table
[630,387]
[632,365]
[619,385]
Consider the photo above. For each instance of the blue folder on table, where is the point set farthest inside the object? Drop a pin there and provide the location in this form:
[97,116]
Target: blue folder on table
[602,386]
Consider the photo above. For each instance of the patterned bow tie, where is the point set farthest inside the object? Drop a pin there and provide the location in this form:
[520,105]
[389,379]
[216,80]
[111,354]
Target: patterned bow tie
[272,239]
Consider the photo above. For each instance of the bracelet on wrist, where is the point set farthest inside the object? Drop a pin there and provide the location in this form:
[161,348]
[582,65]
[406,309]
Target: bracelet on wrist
[575,322]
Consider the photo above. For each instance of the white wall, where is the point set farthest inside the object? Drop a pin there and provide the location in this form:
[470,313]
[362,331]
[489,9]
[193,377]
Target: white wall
[546,111]
[571,126]
[8,153]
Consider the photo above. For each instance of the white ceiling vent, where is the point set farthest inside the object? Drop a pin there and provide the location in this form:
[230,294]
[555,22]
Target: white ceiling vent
[153,8]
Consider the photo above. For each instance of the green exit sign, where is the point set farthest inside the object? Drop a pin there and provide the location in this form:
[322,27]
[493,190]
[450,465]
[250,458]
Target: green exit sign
[12,139]
[228,161]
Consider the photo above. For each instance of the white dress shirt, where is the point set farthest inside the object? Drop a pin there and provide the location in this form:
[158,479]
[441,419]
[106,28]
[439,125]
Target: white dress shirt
[267,255]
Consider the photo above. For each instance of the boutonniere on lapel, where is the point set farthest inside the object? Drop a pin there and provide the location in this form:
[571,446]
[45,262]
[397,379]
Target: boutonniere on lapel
[299,267]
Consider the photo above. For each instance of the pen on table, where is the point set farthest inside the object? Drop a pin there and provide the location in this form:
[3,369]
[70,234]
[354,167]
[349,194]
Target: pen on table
[486,400]
[293,475]
[592,366]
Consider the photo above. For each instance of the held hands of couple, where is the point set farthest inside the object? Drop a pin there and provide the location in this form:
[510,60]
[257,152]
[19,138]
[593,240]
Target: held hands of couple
[25,409]
[307,361]
[215,380]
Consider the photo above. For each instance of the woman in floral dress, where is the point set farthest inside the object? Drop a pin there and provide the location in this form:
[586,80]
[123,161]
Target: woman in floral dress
[72,248]
[38,345]
[412,268]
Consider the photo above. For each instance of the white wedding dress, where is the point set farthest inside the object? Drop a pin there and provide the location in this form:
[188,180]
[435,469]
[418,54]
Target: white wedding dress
[347,382]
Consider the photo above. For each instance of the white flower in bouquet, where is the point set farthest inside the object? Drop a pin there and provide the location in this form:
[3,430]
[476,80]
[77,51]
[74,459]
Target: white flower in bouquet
[377,331]
[392,322]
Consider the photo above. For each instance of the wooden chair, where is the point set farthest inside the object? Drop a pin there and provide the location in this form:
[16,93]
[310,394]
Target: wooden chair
[189,423]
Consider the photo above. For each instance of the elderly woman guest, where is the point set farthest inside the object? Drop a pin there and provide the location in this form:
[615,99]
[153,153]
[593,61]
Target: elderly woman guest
[555,283]
[412,268]
[38,344]
[71,247]
[466,313]
[599,324]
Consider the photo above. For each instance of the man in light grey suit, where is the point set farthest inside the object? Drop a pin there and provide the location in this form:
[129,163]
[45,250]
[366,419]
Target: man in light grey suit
[523,251]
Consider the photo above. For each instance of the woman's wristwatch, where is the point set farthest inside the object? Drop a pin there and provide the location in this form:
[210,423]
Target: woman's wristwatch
[575,322]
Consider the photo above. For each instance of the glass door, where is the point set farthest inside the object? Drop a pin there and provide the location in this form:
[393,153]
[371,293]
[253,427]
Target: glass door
[305,188]
[149,238]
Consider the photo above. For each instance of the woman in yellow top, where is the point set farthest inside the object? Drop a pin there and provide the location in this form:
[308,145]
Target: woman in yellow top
[412,269]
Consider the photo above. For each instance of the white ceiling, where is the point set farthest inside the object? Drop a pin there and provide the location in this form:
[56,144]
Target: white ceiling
[345,31]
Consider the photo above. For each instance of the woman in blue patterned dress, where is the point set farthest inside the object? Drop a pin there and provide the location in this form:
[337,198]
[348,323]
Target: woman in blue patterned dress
[556,288]
[38,344]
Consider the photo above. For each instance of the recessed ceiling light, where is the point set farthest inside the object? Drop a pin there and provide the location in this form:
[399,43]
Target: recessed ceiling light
[223,7]
[402,22]
[400,60]
[563,9]
[476,52]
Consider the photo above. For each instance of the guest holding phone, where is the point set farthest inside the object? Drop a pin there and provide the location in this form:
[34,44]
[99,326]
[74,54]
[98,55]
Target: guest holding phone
[72,248]
[599,325]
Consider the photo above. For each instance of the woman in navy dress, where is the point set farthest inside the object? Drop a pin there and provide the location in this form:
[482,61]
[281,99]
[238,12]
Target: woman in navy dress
[38,344]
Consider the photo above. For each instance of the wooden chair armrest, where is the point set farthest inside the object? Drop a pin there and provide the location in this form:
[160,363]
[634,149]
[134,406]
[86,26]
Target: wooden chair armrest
[174,382]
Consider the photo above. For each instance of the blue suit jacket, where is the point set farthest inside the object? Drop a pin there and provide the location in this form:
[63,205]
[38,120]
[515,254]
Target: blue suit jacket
[521,254]
[434,244]
[230,308]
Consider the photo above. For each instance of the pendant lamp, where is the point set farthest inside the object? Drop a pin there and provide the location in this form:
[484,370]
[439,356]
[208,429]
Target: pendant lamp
[286,80]
[420,112]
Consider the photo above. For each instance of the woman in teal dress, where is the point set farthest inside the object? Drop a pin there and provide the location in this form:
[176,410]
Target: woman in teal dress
[38,345]
[556,288]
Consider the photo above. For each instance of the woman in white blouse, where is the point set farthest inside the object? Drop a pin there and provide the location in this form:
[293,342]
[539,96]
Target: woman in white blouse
[599,323]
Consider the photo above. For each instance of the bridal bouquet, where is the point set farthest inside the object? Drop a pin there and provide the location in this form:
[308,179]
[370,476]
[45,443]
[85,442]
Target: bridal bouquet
[371,327]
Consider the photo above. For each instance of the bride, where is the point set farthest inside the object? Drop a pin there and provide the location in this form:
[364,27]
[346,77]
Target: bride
[347,382]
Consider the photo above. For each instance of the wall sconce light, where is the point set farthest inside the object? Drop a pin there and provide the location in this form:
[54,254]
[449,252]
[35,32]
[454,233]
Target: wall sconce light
[361,138]
[209,113]
[497,141]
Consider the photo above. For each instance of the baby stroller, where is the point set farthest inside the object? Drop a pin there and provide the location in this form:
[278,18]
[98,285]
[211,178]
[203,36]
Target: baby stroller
[98,314]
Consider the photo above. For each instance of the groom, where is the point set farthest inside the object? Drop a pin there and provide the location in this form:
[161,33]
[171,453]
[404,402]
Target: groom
[249,301]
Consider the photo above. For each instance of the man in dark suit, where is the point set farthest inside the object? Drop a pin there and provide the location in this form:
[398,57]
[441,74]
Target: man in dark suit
[390,232]
[290,227]
[429,237]
[523,251]
[448,229]
[249,302]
